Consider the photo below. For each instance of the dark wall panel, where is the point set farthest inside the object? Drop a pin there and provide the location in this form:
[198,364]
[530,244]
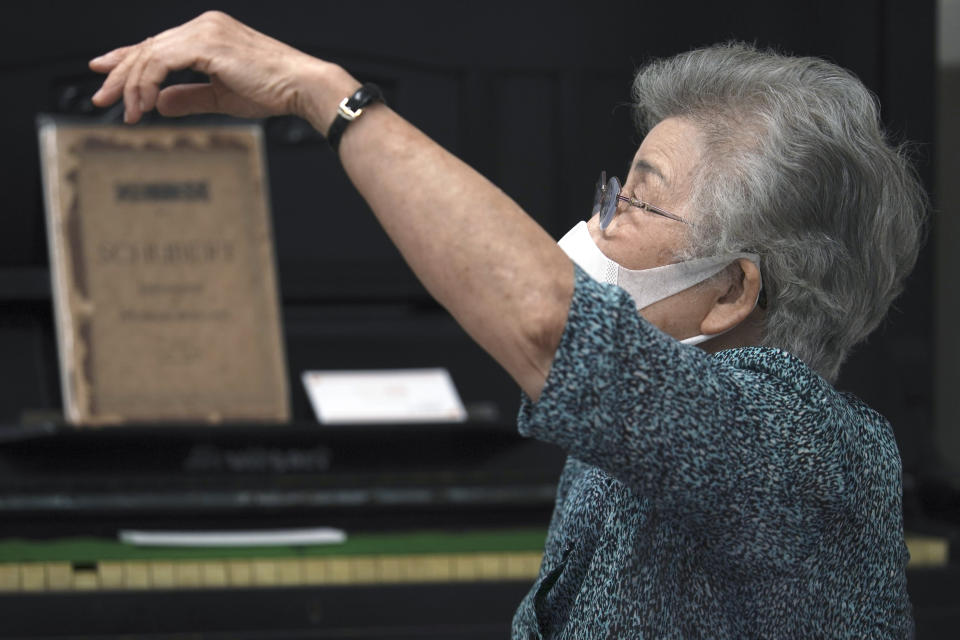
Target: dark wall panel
[533,95]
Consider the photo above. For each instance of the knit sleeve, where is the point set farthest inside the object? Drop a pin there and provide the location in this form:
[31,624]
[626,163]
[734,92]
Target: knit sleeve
[718,445]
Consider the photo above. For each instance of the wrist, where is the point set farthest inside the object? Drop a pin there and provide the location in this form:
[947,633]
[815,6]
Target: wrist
[322,87]
[351,108]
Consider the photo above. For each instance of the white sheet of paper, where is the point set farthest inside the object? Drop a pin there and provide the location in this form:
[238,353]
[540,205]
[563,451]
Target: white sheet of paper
[390,395]
[274,538]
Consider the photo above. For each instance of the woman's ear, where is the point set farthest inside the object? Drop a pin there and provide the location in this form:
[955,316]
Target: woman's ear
[734,299]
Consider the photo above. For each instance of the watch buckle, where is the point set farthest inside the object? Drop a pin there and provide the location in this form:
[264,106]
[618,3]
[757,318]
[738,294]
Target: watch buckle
[347,112]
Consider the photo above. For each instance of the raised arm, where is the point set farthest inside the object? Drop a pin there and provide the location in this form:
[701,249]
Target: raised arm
[498,273]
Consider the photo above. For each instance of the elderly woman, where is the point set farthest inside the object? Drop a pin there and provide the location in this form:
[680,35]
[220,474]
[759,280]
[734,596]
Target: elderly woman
[723,490]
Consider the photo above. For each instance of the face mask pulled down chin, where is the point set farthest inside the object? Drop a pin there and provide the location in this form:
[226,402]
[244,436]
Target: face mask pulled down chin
[646,286]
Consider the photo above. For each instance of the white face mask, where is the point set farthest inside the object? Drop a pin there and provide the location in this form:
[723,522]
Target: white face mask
[645,285]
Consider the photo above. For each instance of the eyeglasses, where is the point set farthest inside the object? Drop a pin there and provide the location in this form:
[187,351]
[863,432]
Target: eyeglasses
[608,194]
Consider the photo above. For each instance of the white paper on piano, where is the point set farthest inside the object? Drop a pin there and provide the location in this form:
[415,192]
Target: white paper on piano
[389,395]
[273,538]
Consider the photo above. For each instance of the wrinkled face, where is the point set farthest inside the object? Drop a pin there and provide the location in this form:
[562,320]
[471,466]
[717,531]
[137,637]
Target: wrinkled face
[662,174]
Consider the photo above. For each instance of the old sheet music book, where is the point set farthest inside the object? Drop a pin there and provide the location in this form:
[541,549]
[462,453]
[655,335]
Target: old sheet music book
[165,291]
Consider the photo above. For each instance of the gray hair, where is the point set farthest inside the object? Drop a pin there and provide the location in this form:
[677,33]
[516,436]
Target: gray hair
[796,168]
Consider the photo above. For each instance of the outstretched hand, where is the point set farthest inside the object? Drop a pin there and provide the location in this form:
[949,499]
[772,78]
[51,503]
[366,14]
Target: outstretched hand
[501,275]
[251,74]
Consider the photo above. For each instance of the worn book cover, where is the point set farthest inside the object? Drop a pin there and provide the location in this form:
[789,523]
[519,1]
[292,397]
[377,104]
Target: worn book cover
[164,280]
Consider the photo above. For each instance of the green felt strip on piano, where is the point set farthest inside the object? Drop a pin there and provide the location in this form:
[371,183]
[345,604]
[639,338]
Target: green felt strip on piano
[80,550]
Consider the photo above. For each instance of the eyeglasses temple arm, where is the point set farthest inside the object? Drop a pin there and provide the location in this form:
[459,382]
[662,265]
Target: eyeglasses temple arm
[652,209]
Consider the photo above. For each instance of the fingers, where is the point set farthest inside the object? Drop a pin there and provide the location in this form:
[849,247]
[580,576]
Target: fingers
[112,88]
[187,99]
[135,73]
[241,63]
[132,109]
[115,63]
[107,62]
[152,74]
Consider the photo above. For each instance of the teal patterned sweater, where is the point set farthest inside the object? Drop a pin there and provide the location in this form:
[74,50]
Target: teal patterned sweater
[735,495]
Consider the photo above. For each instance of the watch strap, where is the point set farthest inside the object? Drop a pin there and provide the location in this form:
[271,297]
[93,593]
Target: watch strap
[350,109]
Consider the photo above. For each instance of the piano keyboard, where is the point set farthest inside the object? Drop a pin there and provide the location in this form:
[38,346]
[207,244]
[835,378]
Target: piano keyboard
[267,572]
[331,569]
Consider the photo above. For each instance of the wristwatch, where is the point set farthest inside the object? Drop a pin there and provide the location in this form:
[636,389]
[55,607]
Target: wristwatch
[350,109]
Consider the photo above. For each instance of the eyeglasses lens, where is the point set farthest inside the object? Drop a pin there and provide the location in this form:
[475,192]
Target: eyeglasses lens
[608,201]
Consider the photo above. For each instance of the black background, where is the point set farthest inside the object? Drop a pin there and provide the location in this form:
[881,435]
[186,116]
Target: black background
[532,95]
